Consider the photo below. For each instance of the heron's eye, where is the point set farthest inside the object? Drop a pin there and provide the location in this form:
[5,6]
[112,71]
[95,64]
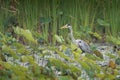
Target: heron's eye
[68,24]
[79,41]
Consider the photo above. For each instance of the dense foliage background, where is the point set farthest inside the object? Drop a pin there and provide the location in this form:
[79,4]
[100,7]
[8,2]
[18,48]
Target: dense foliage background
[33,47]
[47,16]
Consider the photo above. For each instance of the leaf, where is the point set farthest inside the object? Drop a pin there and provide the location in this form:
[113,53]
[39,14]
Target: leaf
[7,65]
[98,54]
[112,64]
[116,72]
[58,63]
[18,45]
[59,38]
[65,78]
[74,69]
[9,51]
[92,57]
[25,33]
[2,57]
[111,55]
[75,49]
[20,48]
[76,55]
[23,51]
[84,65]
[109,77]
[63,47]
[93,64]
[28,35]
[24,59]
[31,59]
[101,76]
[117,61]
[2,38]
[42,77]
[20,72]
[118,52]
[62,55]
[113,40]
[18,30]
[96,35]
[102,22]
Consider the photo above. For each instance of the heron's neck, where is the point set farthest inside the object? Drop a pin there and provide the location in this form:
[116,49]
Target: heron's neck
[71,35]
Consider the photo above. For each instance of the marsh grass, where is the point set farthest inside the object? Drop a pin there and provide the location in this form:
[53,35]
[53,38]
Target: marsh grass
[57,13]
[4,13]
[111,14]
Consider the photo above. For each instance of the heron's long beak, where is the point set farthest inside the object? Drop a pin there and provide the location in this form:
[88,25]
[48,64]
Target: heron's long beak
[65,26]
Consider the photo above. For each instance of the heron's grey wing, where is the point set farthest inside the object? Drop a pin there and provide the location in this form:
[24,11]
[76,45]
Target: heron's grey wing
[87,47]
[84,46]
[81,46]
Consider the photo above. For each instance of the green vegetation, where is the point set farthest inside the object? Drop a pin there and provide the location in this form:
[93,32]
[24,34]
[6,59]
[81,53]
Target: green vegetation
[33,47]
[47,16]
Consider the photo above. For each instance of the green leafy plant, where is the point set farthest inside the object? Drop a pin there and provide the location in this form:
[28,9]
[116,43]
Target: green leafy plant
[25,33]
[113,40]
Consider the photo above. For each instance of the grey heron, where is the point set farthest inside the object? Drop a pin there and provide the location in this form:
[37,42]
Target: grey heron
[80,43]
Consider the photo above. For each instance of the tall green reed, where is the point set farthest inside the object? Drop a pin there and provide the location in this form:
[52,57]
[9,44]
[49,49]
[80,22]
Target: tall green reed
[111,14]
[4,13]
[75,12]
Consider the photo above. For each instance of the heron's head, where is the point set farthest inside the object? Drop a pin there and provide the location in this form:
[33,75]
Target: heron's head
[66,26]
[79,41]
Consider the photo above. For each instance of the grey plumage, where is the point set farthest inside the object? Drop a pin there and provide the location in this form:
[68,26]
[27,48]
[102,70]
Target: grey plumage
[80,43]
[83,46]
